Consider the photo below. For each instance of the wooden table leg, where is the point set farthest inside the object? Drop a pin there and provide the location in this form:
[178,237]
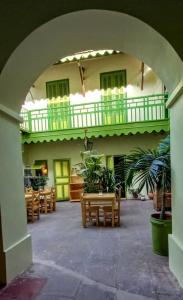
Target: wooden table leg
[83,208]
[113,213]
[118,211]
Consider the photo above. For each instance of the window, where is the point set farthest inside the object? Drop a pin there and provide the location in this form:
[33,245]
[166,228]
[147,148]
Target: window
[41,167]
[57,88]
[112,96]
[58,109]
[114,79]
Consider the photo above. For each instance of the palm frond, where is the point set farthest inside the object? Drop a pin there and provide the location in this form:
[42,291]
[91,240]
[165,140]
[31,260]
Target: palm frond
[147,167]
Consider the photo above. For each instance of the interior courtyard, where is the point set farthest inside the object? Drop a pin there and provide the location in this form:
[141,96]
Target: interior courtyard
[139,111]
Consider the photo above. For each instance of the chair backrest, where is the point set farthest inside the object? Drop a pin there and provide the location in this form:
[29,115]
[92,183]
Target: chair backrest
[29,200]
[28,190]
[33,201]
[47,195]
[53,192]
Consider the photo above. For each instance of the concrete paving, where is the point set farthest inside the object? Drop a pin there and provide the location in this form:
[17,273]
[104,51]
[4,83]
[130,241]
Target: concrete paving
[97,263]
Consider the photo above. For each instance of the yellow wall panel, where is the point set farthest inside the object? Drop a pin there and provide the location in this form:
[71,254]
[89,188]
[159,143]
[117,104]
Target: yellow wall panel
[58,169]
[66,191]
[65,169]
[59,192]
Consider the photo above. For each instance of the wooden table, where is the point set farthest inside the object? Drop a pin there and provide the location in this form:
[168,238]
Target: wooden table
[96,198]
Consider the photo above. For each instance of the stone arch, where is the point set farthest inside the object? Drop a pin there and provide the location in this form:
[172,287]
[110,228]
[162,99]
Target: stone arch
[64,35]
[87,29]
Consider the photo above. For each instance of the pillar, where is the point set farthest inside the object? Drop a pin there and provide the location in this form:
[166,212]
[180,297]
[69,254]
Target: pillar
[15,242]
[176,239]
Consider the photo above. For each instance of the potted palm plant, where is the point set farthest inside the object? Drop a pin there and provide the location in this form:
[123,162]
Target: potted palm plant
[97,177]
[151,169]
[91,171]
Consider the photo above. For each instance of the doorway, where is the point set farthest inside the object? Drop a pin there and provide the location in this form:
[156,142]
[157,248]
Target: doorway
[61,178]
[117,164]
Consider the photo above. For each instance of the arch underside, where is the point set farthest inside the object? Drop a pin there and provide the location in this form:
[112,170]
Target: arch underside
[81,30]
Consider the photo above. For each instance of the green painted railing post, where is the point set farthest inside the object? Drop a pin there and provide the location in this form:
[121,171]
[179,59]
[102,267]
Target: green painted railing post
[106,112]
[29,121]
[49,117]
[166,109]
[147,107]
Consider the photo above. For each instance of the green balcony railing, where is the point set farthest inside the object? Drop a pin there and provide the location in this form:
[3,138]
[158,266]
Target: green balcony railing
[121,111]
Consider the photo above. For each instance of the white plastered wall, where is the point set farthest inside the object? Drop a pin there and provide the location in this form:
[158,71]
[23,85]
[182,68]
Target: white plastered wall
[71,149]
[93,68]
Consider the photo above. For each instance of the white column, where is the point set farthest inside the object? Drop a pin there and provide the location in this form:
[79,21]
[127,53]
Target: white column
[176,239]
[15,242]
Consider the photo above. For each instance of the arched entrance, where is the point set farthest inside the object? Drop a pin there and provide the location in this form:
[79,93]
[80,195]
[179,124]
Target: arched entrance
[89,29]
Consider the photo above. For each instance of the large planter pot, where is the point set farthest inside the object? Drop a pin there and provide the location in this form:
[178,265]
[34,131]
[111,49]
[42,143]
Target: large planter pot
[160,231]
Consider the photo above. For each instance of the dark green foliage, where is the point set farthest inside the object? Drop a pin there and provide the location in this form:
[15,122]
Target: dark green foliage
[150,168]
[107,180]
[119,173]
[38,182]
[96,176]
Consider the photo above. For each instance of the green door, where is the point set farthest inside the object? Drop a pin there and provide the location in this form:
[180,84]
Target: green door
[62,175]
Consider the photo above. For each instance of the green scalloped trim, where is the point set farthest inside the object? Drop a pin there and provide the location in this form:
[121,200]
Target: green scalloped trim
[98,131]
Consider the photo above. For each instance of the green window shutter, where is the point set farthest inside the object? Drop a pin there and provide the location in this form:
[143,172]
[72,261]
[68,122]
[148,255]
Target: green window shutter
[106,81]
[110,162]
[112,95]
[50,90]
[63,87]
[110,80]
[58,111]
[57,88]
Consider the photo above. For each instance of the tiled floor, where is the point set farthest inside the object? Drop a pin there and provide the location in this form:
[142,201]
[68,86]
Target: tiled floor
[94,263]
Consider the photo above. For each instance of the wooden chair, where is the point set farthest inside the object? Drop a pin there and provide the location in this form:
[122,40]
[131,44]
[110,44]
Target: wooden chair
[53,194]
[46,202]
[33,206]
[92,213]
[28,190]
[107,212]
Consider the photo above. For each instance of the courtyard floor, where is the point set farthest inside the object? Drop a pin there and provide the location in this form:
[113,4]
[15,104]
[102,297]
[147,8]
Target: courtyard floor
[94,263]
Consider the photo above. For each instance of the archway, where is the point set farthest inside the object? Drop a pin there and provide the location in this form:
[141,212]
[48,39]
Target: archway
[67,34]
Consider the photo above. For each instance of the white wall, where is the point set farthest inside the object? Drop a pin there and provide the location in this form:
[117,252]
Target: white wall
[71,149]
[15,241]
[93,68]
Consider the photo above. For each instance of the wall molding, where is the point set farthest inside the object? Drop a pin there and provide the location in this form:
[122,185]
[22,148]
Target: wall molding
[10,113]
[177,92]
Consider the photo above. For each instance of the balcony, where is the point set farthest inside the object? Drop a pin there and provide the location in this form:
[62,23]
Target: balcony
[105,118]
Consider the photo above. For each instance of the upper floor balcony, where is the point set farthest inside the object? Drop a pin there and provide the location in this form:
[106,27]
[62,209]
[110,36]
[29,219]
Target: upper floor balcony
[62,120]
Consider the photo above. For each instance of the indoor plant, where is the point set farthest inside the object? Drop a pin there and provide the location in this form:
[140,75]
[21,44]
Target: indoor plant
[151,169]
[134,192]
[97,177]
[91,170]
[38,182]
